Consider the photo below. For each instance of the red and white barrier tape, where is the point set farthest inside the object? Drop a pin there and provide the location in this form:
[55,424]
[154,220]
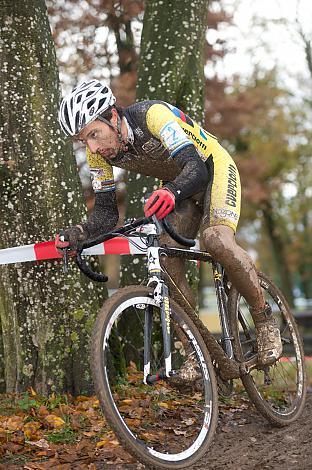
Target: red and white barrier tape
[47,250]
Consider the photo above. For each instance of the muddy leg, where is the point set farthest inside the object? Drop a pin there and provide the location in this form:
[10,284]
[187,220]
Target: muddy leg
[186,221]
[221,244]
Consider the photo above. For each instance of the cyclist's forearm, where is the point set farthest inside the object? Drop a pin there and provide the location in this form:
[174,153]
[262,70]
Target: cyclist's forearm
[193,177]
[104,216]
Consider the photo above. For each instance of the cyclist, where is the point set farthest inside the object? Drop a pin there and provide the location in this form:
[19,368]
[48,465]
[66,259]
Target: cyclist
[202,184]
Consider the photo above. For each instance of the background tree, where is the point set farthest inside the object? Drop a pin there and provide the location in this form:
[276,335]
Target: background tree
[45,317]
[171,69]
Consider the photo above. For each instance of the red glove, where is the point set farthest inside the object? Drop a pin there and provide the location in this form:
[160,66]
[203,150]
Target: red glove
[60,245]
[69,238]
[160,203]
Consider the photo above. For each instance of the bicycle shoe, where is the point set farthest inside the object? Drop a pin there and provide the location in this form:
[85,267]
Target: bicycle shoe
[188,375]
[268,336]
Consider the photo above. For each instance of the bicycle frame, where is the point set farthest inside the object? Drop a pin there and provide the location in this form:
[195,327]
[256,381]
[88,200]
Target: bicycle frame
[161,296]
[151,228]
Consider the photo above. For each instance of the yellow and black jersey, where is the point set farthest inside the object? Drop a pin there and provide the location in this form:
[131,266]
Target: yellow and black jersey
[166,143]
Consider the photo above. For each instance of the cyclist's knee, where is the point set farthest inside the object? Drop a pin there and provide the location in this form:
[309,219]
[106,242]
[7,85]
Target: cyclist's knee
[218,240]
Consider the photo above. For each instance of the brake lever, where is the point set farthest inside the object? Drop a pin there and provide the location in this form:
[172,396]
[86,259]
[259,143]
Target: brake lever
[64,256]
[65,261]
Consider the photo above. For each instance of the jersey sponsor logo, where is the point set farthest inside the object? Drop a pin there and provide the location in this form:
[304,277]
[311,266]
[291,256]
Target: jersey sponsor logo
[227,214]
[173,136]
[97,172]
[196,139]
[232,187]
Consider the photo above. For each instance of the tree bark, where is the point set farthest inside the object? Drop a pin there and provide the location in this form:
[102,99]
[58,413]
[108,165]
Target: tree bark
[171,69]
[45,316]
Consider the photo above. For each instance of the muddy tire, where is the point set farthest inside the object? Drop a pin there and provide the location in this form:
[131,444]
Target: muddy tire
[279,391]
[161,425]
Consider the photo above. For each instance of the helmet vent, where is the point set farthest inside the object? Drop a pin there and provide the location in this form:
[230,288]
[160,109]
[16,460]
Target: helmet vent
[91,103]
[66,115]
[77,123]
[101,102]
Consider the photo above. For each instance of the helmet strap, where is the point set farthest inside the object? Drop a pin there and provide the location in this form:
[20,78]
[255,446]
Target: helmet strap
[101,118]
[117,128]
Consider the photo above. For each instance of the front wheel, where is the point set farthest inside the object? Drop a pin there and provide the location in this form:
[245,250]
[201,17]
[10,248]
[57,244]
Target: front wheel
[278,391]
[171,423]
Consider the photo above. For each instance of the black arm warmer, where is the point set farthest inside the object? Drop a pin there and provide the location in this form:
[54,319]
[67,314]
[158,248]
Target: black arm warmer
[193,177]
[104,216]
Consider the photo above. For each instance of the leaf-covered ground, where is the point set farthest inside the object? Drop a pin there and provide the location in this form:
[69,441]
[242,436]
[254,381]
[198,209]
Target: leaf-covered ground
[56,432]
[65,433]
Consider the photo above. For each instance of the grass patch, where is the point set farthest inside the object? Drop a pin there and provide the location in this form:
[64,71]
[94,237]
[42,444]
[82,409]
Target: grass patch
[62,436]
[14,458]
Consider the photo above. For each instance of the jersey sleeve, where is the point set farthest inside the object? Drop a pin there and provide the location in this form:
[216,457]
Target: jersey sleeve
[101,171]
[161,123]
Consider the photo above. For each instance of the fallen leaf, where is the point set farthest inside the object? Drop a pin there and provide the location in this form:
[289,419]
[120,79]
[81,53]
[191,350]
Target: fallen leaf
[133,422]
[17,437]
[89,433]
[42,411]
[127,401]
[82,398]
[164,405]
[31,430]
[42,444]
[179,432]
[13,423]
[54,421]
[102,442]
[150,437]
[188,421]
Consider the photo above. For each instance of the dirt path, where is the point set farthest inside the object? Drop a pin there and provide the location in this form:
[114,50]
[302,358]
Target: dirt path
[246,441]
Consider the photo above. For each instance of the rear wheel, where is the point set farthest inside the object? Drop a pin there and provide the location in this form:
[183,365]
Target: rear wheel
[171,423]
[278,391]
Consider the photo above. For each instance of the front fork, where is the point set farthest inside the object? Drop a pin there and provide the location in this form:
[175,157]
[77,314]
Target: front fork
[161,296]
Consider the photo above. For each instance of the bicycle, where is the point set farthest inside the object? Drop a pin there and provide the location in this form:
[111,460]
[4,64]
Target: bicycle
[156,367]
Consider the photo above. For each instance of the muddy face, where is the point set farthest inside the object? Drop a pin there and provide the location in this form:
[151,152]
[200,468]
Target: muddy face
[101,138]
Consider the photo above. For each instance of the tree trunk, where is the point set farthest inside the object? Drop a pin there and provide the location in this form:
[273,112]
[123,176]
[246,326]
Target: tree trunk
[45,316]
[171,69]
[279,252]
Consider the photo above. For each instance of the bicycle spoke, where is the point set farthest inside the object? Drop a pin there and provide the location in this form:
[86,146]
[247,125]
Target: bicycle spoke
[277,391]
[168,417]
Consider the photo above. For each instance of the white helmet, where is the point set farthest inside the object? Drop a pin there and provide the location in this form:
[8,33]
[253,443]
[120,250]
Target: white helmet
[83,105]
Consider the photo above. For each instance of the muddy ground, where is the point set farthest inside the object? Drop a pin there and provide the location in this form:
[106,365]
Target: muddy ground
[245,440]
